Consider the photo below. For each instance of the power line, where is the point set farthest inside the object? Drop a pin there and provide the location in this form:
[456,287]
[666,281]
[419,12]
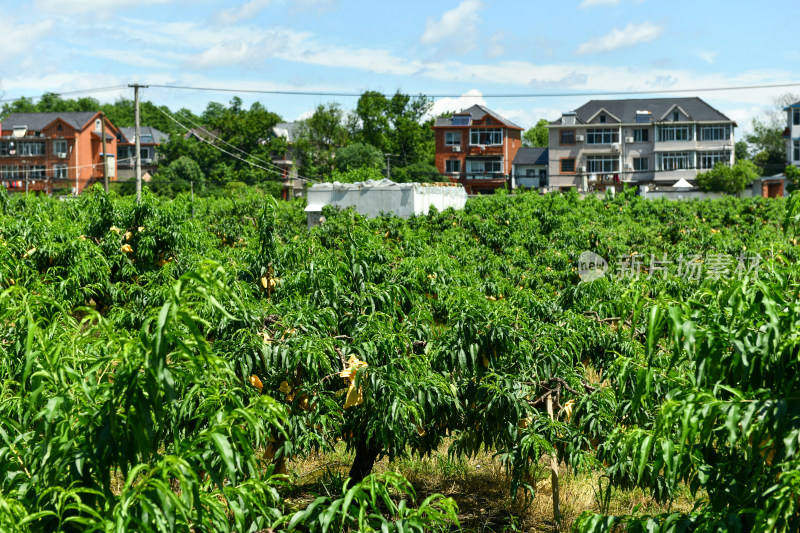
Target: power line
[345,94]
[271,170]
[217,138]
[491,95]
[67,93]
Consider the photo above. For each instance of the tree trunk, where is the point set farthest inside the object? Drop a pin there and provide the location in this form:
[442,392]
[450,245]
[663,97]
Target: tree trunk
[366,455]
[554,472]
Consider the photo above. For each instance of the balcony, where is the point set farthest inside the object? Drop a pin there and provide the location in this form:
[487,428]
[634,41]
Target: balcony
[480,149]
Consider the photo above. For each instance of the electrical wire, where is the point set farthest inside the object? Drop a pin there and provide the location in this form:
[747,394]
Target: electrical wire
[70,93]
[346,94]
[491,95]
[235,156]
[217,138]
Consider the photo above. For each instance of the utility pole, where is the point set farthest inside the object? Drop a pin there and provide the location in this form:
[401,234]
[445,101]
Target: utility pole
[105,156]
[138,159]
[389,165]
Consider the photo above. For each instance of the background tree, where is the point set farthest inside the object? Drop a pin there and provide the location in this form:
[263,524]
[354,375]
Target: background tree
[537,135]
[741,151]
[359,155]
[416,172]
[731,180]
[768,146]
[321,135]
[767,143]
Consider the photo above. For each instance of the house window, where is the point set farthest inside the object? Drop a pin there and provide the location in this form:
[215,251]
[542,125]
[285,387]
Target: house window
[98,125]
[568,165]
[4,148]
[674,133]
[673,161]
[462,120]
[641,135]
[675,116]
[602,136]
[35,148]
[641,163]
[796,117]
[60,172]
[9,172]
[566,137]
[602,164]
[60,147]
[484,166]
[796,149]
[721,132]
[709,159]
[486,136]
[452,166]
[144,153]
[602,119]
[452,138]
[35,172]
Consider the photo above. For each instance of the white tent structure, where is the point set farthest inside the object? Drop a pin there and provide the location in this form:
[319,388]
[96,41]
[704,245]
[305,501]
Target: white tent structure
[682,185]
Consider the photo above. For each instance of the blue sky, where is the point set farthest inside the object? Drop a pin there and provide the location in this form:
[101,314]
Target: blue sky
[470,49]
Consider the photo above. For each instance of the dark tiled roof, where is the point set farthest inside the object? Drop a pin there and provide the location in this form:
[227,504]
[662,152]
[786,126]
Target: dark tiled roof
[626,110]
[531,156]
[39,121]
[157,136]
[477,112]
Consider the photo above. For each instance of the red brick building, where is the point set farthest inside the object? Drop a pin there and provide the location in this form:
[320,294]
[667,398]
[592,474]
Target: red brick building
[43,151]
[476,147]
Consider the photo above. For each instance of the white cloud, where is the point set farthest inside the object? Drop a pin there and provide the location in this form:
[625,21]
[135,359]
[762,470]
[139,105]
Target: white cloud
[594,3]
[496,46]
[317,6]
[619,38]
[707,56]
[102,7]
[447,105]
[305,115]
[18,38]
[528,117]
[460,25]
[246,11]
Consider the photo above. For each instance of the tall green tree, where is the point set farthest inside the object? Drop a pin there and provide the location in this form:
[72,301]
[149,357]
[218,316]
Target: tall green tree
[768,147]
[324,132]
[398,125]
[537,135]
[359,155]
[766,142]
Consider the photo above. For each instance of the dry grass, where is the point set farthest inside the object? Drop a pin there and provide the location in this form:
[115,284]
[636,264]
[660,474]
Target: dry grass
[480,486]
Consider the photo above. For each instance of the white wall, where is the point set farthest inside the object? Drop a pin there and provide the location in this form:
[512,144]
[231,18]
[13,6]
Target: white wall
[371,198]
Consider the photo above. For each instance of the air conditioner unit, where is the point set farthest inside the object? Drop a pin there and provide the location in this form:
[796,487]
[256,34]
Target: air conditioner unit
[628,166]
[582,169]
[579,138]
[482,147]
[456,148]
[628,139]
[615,147]
[62,155]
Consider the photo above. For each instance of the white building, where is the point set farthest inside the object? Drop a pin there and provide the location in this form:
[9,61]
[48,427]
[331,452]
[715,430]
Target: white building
[792,134]
[657,141]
